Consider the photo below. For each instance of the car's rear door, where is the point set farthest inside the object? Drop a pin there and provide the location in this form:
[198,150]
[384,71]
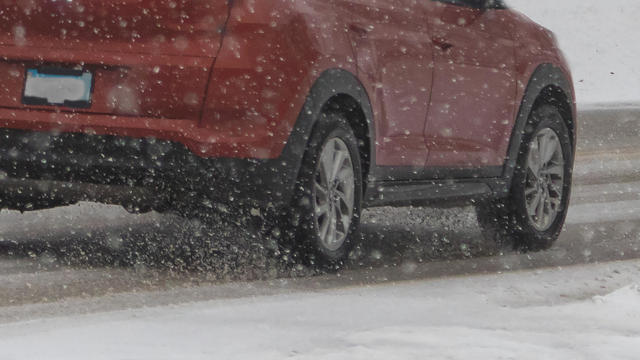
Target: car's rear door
[472,104]
[147,58]
[394,58]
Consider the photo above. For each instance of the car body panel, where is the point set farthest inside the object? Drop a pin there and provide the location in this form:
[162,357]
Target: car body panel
[149,58]
[395,63]
[273,53]
[537,46]
[474,89]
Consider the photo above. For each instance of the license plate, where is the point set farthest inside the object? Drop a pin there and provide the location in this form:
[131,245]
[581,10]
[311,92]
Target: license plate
[58,87]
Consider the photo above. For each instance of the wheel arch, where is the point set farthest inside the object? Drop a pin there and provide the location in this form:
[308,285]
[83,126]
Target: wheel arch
[548,85]
[335,90]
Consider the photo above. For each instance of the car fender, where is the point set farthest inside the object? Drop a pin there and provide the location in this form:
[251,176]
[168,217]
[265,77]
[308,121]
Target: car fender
[330,83]
[545,75]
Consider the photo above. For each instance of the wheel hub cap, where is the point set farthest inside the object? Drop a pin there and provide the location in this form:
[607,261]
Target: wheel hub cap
[545,179]
[334,194]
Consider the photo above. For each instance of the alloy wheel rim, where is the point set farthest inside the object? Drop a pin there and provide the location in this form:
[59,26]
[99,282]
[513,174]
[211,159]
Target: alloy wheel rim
[544,187]
[334,188]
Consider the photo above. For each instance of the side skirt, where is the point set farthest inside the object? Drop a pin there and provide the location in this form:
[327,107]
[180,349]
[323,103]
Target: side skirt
[437,193]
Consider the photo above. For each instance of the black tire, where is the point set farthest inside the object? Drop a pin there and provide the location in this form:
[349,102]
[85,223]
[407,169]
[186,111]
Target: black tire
[301,226]
[507,221]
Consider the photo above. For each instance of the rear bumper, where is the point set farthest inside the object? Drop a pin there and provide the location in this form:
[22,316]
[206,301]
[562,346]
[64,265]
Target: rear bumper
[45,169]
[238,139]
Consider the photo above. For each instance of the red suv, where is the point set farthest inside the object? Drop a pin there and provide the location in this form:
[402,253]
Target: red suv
[299,112]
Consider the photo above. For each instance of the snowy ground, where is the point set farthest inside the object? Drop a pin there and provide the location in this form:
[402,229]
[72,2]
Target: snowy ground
[600,39]
[543,314]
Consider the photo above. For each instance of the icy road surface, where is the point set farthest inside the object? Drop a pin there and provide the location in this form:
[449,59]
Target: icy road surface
[91,281]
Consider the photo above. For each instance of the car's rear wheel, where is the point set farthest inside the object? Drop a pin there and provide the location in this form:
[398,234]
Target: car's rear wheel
[325,217]
[532,216]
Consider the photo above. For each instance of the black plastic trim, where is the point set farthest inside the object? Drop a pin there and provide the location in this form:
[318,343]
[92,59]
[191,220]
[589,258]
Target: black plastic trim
[168,169]
[393,173]
[441,193]
[331,83]
[544,76]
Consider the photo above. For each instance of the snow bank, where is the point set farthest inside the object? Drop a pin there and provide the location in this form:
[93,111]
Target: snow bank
[600,39]
[532,315]
[626,298]
[604,327]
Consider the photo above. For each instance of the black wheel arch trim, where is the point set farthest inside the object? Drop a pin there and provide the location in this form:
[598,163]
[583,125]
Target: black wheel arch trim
[330,84]
[545,76]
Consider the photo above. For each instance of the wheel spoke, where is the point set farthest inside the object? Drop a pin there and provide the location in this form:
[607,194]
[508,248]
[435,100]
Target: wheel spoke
[334,195]
[346,223]
[340,226]
[324,227]
[556,203]
[332,236]
[540,209]
[534,160]
[345,174]
[533,205]
[345,199]
[530,191]
[543,145]
[339,158]
[555,169]
[322,209]
[555,187]
[551,146]
[545,178]
[345,203]
[321,190]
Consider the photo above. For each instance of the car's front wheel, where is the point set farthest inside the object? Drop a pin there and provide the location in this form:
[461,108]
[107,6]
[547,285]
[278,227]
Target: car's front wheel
[325,217]
[532,216]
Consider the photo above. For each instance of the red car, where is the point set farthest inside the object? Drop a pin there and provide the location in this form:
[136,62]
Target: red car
[297,112]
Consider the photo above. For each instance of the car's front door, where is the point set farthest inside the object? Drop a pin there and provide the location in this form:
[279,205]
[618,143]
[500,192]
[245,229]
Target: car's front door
[474,88]
[395,63]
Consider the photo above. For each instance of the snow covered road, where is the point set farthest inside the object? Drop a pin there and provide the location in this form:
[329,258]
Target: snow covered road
[48,263]
[557,313]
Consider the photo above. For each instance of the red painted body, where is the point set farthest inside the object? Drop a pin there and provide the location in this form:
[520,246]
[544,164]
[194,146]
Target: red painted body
[445,82]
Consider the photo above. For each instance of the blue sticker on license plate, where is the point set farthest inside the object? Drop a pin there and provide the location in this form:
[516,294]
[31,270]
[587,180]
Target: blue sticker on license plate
[58,87]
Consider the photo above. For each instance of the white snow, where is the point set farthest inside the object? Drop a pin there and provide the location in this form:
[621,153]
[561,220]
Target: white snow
[542,314]
[600,39]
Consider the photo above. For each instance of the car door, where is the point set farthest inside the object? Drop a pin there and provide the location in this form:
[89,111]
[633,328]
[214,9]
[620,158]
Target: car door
[395,63]
[474,88]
